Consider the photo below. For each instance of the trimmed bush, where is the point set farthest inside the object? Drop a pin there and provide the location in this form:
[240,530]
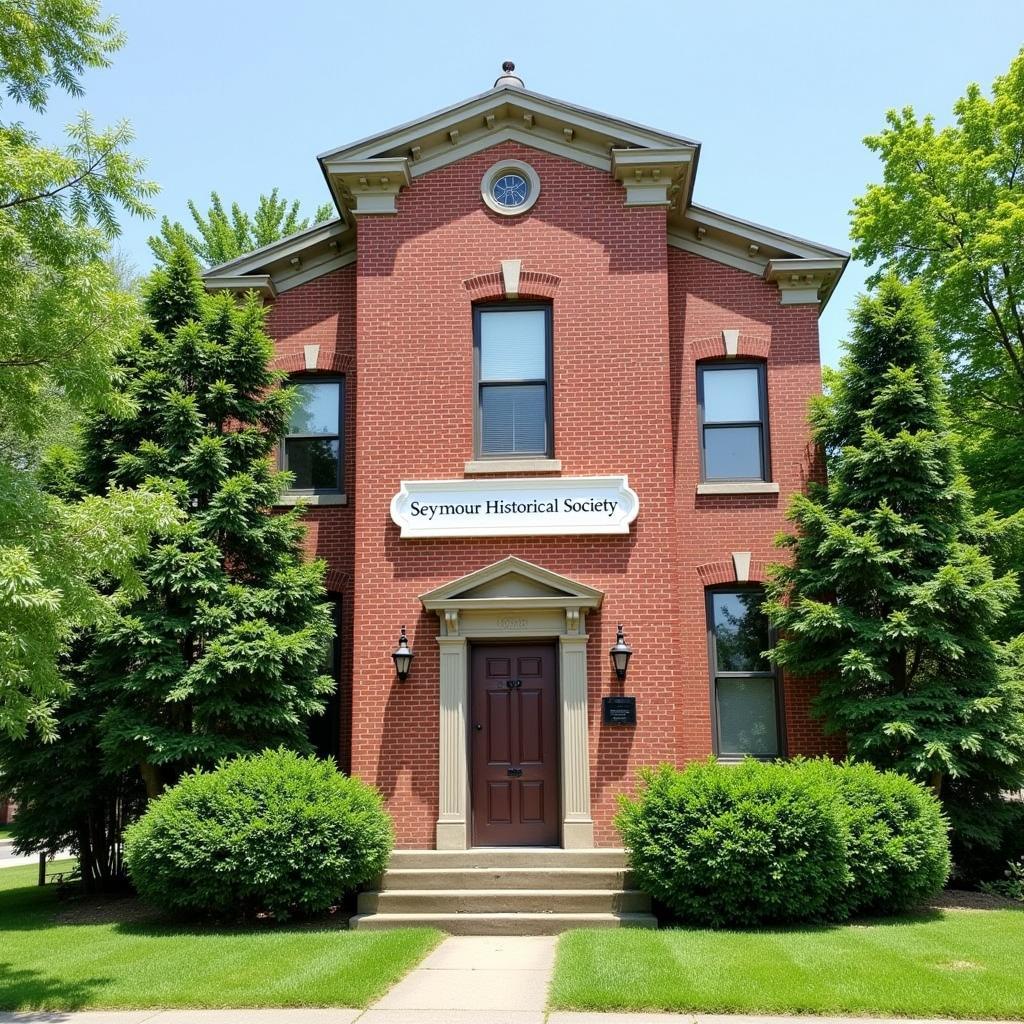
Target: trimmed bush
[272,833]
[760,843]
[739,844]
[897,842]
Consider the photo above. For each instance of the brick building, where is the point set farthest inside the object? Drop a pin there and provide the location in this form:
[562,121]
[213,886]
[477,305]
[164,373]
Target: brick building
[545,394]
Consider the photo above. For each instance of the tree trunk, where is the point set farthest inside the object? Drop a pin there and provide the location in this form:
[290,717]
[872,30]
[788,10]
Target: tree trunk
[936,782]
[152,775]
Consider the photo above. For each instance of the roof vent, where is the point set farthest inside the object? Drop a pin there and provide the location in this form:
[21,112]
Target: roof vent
[508,79]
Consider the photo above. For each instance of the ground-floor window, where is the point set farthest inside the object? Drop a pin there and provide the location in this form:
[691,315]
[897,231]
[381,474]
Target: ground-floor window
[744,684]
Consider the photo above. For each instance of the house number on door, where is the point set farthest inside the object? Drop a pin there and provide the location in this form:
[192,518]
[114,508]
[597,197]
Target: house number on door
[511,622]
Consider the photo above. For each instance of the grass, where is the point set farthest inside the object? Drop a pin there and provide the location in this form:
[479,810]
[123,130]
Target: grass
[5,831]
[936,964]
[49,966]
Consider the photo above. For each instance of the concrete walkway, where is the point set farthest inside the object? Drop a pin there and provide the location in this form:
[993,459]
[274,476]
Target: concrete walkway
[466,980]
[473,979]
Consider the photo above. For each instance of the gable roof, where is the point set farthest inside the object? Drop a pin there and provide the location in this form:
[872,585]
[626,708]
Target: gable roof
[391,159]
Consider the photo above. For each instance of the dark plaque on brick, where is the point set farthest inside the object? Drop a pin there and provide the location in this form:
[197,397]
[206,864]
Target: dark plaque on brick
[619,710]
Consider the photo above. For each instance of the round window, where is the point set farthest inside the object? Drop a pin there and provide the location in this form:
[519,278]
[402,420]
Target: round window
[510,190]
[510,187]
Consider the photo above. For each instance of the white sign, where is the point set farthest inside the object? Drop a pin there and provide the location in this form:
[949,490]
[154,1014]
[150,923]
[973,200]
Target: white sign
[534,507]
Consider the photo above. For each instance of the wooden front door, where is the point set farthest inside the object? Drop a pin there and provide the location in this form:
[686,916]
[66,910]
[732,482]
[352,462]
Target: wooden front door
[514,740]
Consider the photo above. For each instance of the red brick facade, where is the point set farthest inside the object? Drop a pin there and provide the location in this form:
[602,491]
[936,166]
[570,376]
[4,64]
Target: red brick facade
[632,316]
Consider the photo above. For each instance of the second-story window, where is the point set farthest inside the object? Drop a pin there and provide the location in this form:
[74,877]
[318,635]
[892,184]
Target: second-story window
[513,380]
[733,421]
[312,448]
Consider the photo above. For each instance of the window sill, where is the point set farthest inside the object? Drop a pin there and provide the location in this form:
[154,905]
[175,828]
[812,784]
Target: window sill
[513,466]
[312,499]
[739,487]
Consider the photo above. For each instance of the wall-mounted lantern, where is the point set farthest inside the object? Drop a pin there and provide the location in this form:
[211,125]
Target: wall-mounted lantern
[402,657]
[620,654]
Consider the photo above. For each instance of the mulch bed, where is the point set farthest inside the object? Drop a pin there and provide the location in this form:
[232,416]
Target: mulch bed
[967,899]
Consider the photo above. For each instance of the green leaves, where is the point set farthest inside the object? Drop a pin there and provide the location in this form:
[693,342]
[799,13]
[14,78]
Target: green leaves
[220,236]
[222,652]
[46,43]
[890,599]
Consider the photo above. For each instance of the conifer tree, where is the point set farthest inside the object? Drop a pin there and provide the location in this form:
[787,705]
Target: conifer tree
[222,655]
[891,596]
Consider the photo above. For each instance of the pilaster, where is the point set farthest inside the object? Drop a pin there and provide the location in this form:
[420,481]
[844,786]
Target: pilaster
[453,799]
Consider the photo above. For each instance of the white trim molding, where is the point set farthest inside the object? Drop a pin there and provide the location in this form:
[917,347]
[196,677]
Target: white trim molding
[478,466]
[547,605]
[495,171]
[803,281]
[651,177]
[368,186]
[739,487]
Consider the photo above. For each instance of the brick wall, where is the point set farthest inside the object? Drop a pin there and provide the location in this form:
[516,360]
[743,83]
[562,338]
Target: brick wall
[323,312]
[631,316]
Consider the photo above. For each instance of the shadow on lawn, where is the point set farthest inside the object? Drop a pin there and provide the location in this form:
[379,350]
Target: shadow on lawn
[23,989]
[910,917]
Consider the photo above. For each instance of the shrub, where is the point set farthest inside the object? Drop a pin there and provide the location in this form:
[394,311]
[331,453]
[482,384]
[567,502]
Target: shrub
[737,845]
[771,843]
[275,833]
[1010,887]
[897,845]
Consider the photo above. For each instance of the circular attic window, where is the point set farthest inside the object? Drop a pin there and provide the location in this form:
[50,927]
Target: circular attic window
[510,187]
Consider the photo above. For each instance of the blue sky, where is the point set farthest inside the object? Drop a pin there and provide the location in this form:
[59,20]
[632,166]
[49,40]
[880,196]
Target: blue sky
[240,95]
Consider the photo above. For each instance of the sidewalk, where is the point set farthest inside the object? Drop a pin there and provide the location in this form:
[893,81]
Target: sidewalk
[327,1016]
[466,980]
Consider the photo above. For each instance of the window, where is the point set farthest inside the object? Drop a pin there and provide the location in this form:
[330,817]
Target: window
[745,697]
[324,730]
[733,421]
[513,380]
[312,447]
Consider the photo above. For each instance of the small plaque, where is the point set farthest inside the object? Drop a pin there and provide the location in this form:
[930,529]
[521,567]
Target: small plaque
[619,710]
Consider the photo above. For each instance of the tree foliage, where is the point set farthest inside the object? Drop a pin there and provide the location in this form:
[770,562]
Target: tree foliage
[222,653]
[62,317]
[47,43]
[892,595]
[220,235]
[949,212]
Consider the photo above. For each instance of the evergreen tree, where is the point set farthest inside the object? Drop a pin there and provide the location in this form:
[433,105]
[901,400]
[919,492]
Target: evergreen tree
[892,595]
[219,236]
[222,655]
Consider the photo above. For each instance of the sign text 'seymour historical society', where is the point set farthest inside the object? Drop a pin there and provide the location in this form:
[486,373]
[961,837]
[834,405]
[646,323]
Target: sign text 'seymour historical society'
[539,506]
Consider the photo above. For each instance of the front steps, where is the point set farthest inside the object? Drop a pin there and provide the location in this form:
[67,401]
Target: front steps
[505,892]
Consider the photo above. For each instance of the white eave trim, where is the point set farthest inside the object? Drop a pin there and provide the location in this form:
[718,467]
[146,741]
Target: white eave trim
[404,135]
[293,245]
[261,283]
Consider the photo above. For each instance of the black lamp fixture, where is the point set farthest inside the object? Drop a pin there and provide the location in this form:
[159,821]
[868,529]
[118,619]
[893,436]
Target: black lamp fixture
[621,653]
[402,657]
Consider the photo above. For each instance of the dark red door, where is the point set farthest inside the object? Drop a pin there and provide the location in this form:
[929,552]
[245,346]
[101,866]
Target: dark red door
[514,732]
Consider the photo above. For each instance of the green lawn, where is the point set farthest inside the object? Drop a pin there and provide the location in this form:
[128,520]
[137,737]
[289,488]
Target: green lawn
[48,966]
[940,964]
[5,831]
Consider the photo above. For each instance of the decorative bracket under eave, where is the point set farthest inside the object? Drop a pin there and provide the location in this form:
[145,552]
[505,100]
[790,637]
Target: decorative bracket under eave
[803,281]
[368,186]
[242,283]
[652,177]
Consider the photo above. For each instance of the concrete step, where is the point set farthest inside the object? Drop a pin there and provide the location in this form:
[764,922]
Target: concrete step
[504,901]
[502,924]
[506,857]
[505,878]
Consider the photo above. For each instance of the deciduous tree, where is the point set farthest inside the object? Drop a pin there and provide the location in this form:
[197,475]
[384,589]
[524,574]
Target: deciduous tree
[219,236]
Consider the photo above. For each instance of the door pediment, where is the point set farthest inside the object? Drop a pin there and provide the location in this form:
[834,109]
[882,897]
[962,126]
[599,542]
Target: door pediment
[512,583]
